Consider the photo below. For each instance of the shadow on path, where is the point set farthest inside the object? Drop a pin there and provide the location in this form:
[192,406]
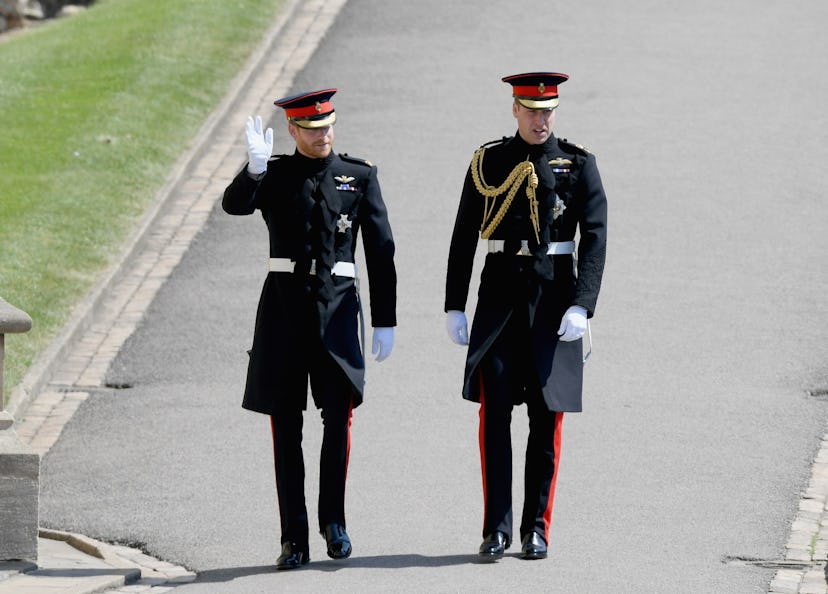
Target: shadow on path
[377,562]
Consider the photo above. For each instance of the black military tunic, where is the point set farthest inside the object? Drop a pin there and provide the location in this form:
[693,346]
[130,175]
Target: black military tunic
[514,354]
[314,210]
[570,195]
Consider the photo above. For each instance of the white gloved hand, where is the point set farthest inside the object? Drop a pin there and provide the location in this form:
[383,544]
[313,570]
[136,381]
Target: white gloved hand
[458,328]
[573,324]
[383,342]
[259,145]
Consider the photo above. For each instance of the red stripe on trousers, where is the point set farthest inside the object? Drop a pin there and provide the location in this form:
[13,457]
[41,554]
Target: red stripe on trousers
[481,437]
[547,514]
[348,442]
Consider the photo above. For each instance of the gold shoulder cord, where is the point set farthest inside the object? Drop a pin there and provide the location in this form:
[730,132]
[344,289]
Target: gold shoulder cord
[523,170]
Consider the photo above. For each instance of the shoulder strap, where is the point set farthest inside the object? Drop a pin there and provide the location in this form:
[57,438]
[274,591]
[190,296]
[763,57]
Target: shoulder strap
[356,160]
[501,140]
[571,147]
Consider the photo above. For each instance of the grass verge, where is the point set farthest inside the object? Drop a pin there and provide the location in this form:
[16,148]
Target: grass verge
[96,109]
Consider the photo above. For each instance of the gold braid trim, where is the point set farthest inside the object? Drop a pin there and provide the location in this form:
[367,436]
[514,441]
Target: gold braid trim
[523,170]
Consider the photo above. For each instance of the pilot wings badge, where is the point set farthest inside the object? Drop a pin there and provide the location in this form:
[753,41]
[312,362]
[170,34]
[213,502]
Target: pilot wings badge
[345,183]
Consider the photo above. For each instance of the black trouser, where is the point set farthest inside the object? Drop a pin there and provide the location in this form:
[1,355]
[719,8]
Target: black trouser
[508,377]
[332,393]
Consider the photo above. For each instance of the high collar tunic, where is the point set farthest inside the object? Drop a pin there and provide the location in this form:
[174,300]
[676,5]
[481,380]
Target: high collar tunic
[314,210]
[570,199]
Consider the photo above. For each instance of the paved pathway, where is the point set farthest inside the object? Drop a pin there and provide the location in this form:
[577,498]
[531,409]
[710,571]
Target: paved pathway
[76,364]
[122,299]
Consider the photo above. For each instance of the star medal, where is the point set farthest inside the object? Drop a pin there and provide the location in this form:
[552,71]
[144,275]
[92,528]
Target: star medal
[343,224]
[558,207]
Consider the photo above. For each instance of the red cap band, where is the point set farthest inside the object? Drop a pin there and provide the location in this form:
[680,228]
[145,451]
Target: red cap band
[309,110]
[535,91]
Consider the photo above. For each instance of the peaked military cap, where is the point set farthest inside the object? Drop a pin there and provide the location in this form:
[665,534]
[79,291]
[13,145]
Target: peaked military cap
[536,90]
[309,110]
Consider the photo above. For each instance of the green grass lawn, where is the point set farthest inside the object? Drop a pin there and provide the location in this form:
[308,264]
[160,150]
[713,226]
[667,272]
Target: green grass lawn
[96,108]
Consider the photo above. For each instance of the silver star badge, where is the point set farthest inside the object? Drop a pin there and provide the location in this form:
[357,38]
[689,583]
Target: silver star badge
[343,224]
[558,207]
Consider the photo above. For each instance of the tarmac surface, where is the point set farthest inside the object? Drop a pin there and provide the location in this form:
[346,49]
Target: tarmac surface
[699,464]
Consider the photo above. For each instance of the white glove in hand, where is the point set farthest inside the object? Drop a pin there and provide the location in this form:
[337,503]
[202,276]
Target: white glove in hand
[259,145]
[573,324]
[383,342]
[458,328]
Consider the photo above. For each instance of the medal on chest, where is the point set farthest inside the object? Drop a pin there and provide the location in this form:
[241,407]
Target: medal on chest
[558,207]
[344,183]
[344,223]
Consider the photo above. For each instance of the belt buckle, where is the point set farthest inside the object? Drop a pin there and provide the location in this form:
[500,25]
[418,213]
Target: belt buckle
[524,248]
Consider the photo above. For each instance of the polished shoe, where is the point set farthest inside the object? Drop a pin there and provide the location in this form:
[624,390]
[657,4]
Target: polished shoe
[533,547]
[339,545]
[293,556]
[494,546]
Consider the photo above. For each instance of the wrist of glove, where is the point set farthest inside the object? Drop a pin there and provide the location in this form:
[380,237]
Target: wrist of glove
[259,145]
[457,327]
[573,324]
[382,343]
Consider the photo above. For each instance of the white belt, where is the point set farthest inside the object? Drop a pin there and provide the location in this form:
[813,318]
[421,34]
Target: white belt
[554,248]
[287,265]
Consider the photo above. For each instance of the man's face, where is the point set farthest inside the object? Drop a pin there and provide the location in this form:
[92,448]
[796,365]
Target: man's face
[534,125]
[315,143]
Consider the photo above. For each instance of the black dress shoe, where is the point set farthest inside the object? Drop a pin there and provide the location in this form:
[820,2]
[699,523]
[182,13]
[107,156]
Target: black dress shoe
[494,546]
[339,545]
[293,556]
[533,547]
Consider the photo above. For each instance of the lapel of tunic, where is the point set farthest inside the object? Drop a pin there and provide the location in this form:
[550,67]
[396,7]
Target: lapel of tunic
[332,201]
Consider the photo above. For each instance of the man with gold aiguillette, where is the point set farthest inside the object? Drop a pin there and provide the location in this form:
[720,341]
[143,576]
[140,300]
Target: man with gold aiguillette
[526,196]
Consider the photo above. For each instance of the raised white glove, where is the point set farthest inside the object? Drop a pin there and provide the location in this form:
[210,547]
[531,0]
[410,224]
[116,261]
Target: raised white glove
[383,342]
[259,145]
[458,328]
[573,324]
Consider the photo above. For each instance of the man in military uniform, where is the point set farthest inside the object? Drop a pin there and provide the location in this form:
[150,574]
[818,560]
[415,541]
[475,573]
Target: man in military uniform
[314,203]
[526,196]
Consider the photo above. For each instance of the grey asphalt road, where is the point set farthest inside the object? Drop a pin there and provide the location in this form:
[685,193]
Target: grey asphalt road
[699,428]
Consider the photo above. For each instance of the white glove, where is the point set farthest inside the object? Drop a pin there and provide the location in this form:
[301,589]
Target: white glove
[573,324]
[458,328]
[259,145]
[383,342]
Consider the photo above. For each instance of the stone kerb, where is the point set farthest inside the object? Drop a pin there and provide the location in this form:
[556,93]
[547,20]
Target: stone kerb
[19,465]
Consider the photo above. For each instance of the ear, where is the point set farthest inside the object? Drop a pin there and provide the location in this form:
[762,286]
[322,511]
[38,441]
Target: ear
[515,108]
[292,129]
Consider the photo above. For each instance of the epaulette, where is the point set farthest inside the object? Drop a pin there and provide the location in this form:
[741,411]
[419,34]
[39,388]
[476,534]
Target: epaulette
[574,148]
[357,160]
[502,140]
